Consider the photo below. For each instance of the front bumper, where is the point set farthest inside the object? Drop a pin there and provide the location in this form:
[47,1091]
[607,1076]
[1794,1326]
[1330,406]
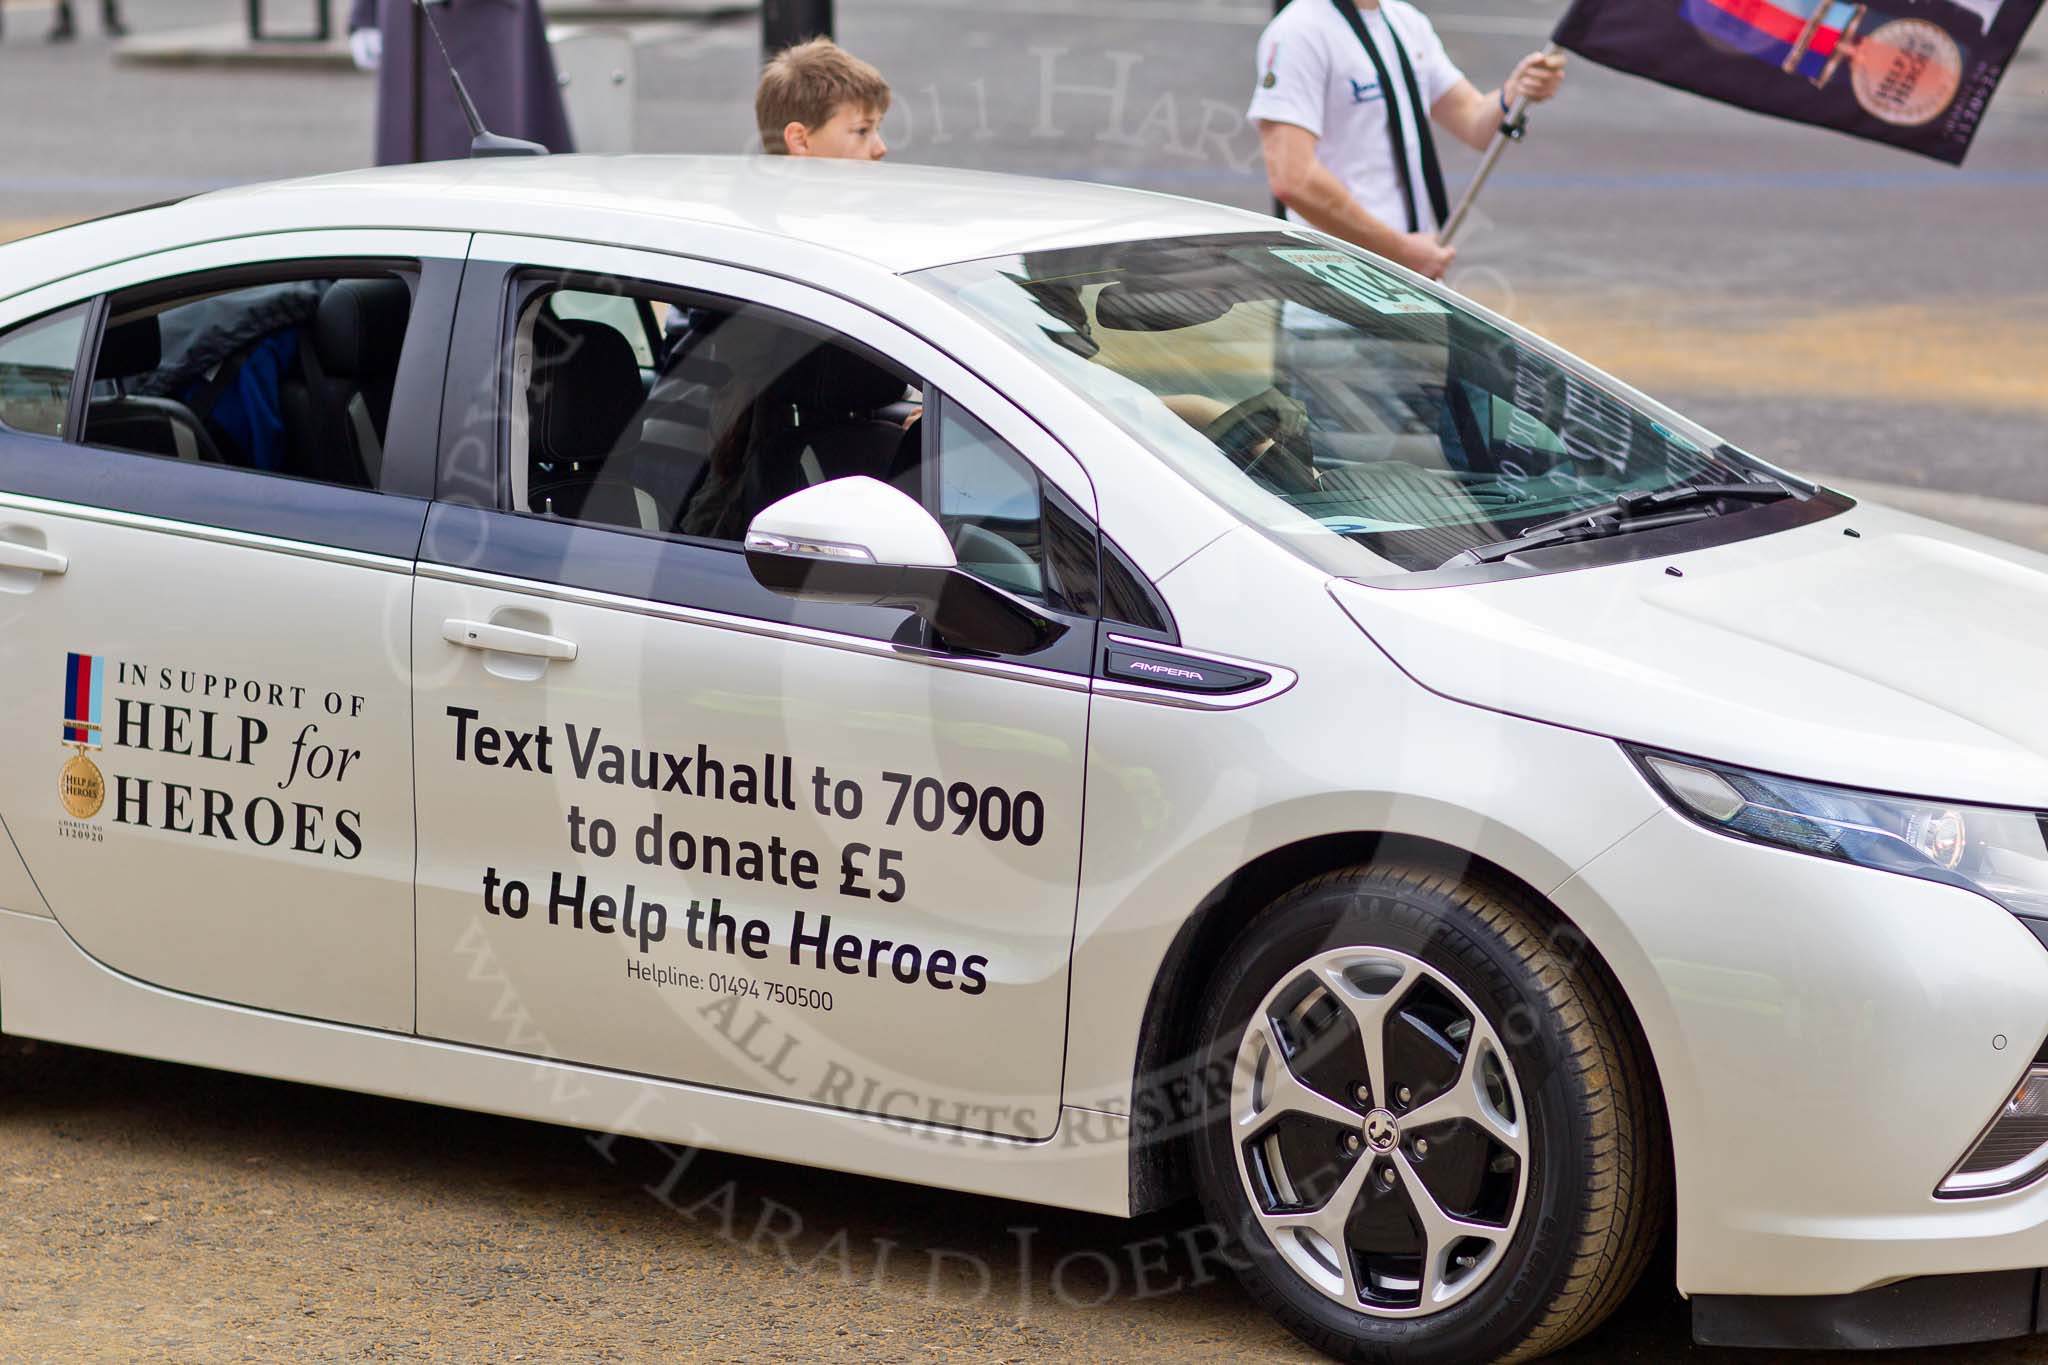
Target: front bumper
[1830,1040]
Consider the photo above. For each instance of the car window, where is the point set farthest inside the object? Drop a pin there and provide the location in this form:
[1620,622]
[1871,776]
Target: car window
[1127,597]
[291,377]
[1331,403]
[743,407]
[38,360]
[746,405]
[989,505]
[1006,526]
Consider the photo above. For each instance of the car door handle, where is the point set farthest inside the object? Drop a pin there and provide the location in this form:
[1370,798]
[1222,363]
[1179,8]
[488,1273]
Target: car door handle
[28,559]
[506,640]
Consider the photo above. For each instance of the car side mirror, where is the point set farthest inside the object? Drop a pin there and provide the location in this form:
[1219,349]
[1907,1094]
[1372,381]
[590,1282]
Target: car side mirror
[857,540]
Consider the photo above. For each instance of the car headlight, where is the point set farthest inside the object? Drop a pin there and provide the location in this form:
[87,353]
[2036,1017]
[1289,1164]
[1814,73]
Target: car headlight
[1996,852]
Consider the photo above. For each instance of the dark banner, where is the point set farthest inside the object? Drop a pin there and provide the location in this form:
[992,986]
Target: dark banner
[1915,74]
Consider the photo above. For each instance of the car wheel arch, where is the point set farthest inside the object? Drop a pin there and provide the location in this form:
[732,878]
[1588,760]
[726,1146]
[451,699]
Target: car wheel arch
[1160,1082]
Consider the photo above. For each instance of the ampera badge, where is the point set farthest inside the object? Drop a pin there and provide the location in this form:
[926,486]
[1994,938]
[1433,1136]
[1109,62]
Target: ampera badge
[80,786]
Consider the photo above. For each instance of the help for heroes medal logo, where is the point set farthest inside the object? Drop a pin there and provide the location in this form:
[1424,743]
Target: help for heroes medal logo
[1905,71]
[80,786]
[1908,72]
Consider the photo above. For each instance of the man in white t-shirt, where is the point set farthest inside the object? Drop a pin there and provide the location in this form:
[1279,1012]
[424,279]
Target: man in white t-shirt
[1329,71]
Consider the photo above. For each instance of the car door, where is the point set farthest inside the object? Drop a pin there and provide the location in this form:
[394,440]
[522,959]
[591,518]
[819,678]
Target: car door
[675,824]
[209,512]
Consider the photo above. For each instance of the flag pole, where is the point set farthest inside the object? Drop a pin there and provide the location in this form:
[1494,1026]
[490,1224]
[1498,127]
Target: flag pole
[1511,130]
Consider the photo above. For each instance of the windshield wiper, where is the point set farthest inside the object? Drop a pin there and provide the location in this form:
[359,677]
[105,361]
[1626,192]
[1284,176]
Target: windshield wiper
[1628,513]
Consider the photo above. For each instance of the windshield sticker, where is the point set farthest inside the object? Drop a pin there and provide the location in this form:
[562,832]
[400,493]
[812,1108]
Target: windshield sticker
[1365,526]
[1379,292]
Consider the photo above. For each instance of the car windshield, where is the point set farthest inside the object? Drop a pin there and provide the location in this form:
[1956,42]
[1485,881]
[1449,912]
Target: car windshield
[1330,401]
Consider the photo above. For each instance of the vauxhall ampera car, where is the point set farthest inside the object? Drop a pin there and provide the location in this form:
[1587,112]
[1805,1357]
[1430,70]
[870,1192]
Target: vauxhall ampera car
[1040,690]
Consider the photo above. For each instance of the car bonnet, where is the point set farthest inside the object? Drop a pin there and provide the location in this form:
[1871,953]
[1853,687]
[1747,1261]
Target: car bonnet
[1875,649]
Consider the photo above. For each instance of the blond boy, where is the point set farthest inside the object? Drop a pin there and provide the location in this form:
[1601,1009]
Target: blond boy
[818,99]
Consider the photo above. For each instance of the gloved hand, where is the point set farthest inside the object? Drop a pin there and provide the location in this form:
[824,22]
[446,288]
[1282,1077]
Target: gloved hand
[366,46]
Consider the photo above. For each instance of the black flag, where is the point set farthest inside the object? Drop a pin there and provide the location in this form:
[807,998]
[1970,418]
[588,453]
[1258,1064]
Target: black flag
[1915,74]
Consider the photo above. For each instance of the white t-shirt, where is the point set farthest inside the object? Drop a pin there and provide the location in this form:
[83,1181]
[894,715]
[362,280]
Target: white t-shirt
[1315,74]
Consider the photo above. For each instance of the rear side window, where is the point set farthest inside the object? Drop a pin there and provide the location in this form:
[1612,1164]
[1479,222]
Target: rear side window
[38,361]
[290,377]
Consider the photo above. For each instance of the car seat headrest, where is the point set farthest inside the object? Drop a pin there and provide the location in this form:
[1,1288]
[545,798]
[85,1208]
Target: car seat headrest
[130,348]
[831,379]
[361,326]
[586,386]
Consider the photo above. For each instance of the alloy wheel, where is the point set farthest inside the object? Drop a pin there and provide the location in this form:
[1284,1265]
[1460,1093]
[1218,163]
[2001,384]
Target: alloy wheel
[1380,1132]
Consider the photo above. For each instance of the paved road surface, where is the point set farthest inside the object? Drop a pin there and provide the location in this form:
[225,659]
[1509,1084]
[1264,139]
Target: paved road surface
[153,1213]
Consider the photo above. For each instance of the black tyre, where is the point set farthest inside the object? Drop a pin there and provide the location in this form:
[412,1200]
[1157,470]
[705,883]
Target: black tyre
[1441,1143]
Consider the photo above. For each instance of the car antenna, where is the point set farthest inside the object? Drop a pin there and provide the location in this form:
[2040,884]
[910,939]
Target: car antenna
[482,141]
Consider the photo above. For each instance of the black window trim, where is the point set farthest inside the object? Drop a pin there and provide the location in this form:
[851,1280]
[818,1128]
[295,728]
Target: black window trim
[81,373]
[1109,552]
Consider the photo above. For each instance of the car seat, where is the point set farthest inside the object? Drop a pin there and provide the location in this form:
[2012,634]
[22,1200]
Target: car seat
[820,420]
[338,409]
[586,389]
[148,426]
[678,430]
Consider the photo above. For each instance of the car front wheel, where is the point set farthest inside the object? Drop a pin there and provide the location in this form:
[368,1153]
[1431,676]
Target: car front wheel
[1433,1135]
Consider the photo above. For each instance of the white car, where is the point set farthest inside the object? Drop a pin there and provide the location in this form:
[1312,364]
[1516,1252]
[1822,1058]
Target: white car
[1035,689]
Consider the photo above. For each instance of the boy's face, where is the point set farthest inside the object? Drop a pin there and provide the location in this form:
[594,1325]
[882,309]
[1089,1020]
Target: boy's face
[852,133]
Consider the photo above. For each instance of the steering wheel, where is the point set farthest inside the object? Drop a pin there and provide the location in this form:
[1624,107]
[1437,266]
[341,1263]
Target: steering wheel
[1277,420]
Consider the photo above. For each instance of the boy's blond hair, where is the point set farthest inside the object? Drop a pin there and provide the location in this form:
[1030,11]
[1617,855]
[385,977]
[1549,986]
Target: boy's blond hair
[808,84]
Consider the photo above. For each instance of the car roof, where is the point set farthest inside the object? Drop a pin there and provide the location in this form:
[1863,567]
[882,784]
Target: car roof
[893,216]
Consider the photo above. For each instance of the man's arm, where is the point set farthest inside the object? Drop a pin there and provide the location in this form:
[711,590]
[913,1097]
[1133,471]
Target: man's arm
[1303,183]
[1474,118]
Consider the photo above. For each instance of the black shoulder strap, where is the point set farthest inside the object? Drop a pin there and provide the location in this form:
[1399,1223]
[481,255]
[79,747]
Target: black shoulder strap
[1432,171]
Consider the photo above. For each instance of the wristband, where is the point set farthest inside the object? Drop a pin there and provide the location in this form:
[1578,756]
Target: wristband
[1505,107]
